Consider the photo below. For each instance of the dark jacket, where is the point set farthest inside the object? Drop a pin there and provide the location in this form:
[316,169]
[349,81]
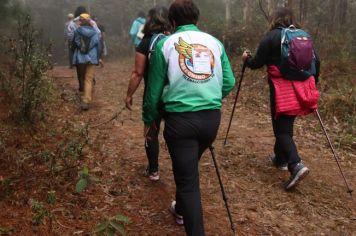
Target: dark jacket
[269,52]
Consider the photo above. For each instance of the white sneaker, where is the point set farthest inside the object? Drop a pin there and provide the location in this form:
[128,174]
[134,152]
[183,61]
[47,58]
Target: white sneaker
[154,176]
[178,218]
[278,166]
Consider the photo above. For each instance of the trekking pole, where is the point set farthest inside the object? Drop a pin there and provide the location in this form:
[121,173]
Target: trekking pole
[237,95]
[211,148]
[336,157]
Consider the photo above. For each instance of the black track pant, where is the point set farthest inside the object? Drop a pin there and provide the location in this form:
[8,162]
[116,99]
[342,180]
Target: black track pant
[81,77]
[284,147]
[152,147]
[188,135]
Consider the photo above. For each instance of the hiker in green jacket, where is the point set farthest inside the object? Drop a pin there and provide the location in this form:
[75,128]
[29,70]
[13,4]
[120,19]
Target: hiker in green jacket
[189,74]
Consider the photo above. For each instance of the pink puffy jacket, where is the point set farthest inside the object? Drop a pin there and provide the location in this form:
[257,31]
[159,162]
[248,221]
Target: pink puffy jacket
[293,97]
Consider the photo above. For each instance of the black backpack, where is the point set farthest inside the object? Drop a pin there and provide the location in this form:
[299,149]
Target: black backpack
[84,45]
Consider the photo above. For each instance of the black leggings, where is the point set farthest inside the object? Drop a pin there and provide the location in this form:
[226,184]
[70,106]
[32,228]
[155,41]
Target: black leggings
[284,147]
[152,147]
[188,135]
[81,77]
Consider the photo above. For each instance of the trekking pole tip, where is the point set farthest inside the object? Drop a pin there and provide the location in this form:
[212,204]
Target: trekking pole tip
[233,230]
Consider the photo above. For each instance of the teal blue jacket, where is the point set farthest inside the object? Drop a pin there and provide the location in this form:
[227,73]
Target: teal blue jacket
[134,30]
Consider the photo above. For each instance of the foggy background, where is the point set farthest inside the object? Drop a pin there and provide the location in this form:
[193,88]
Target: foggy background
[238,23]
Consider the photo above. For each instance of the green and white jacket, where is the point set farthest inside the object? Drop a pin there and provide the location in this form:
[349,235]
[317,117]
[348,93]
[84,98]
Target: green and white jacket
[189,71]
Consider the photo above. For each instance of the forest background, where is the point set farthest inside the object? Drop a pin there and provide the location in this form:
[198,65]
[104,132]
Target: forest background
[31,46]
[238,23]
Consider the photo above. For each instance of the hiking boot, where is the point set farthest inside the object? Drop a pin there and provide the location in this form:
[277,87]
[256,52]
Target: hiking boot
[283,166]
[153,176]
[178,218]
[84,106]
[297,174]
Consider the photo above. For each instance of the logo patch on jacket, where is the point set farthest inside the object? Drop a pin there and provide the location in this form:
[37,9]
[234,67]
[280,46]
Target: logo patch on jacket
[195,60]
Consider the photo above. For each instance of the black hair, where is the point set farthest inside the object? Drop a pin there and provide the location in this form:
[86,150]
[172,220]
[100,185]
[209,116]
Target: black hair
[183,12]
[157,21]
[141,14]
[80,10]
[283,17]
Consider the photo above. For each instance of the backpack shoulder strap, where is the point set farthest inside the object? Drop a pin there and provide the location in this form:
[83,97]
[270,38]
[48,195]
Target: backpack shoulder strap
[285,31]
[283,35]
[154,40]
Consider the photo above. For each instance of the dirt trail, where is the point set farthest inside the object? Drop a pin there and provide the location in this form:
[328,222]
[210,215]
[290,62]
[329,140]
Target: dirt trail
[260,206]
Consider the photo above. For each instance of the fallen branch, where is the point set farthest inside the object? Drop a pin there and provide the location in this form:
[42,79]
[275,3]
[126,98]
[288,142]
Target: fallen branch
[67,227]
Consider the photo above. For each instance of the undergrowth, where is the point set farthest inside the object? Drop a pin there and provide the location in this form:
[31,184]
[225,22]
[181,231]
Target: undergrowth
[23,83]
[338,99]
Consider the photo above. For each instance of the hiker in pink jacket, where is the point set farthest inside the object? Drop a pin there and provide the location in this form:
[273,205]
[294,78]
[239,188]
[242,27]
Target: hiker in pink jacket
[288,98]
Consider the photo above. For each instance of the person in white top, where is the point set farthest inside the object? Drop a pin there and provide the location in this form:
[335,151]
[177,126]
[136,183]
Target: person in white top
[67,41]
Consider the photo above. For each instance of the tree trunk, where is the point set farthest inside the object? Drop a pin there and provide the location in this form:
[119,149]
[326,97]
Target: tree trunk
[332,9]
[247,12]
[342,12]
[283,3]
[290,4]
[227,12]
[271,5]
[303,11]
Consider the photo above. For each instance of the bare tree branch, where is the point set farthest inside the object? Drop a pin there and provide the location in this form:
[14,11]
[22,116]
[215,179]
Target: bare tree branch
[267,17]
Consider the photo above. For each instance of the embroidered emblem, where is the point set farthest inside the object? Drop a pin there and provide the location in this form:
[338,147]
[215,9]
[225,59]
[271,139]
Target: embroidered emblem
[195,60]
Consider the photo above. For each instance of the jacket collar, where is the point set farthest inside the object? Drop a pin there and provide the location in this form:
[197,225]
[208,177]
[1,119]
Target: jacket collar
[141,20]
[183,28]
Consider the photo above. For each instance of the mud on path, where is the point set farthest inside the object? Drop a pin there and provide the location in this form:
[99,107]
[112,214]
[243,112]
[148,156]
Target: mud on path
[260,206]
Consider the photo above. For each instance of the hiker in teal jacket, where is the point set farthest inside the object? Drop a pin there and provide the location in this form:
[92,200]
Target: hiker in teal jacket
[136,27]
[189,74]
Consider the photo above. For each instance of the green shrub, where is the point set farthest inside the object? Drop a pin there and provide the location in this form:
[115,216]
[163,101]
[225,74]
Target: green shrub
[84,179]
[112,226]
[70,150]
[40,212]
[24,83]
[338,99]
